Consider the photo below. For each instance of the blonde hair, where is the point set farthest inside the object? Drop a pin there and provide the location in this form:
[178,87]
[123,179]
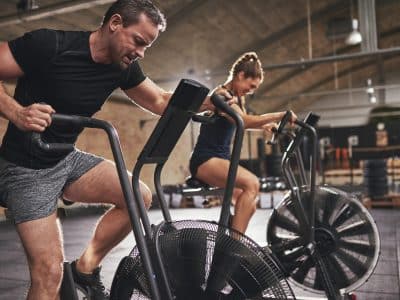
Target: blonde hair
[249,64]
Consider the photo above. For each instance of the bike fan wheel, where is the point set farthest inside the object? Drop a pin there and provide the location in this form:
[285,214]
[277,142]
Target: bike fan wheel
[346,237]
[205,261]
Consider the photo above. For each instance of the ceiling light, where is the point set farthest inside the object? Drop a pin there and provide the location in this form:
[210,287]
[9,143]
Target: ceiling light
[355,36]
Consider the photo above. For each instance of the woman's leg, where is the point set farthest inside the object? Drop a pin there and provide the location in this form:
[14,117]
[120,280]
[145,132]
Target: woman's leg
[215,172]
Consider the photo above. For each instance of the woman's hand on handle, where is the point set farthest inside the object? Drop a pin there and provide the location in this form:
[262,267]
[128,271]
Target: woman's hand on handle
[270,127]
[293,118]
[35,117]
[208,105]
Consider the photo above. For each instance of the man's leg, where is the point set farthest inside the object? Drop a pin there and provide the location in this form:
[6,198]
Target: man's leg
[42,242]
[101,185]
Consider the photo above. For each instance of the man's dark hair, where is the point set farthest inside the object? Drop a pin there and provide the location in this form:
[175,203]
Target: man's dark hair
[130,11]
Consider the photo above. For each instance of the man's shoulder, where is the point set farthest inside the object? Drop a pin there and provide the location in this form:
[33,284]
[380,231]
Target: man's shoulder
[62,39]
[46,37]
[72,40]
[38,35]
[51,31]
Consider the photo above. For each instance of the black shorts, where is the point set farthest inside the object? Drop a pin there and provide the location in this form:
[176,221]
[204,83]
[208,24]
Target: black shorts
[197,160]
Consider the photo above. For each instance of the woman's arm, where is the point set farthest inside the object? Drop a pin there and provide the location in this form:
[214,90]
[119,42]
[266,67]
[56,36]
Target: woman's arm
[258,121]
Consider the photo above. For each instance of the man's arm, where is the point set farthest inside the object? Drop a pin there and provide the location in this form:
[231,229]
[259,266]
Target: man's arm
[149,96]
[9,67]
[35,117]
[153,98]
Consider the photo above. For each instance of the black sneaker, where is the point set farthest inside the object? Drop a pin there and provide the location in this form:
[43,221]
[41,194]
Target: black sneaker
[91,284]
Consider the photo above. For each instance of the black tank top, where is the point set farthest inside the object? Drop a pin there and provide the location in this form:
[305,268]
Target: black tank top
[214,139]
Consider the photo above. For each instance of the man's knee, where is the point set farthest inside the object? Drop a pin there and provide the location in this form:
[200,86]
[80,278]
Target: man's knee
[146,195]
[47,273]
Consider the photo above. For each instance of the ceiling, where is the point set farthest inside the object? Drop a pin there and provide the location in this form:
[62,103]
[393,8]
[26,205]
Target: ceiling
[204,37]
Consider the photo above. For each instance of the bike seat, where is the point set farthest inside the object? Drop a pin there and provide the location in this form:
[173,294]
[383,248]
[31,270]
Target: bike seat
[196,183]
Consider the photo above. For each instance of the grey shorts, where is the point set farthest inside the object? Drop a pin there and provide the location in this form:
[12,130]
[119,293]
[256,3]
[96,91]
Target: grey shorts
[31,194]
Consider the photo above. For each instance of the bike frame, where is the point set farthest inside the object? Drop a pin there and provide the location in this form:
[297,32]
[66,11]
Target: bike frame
[306,219]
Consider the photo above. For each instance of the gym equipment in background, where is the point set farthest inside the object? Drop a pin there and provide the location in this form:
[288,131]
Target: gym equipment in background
[325,238]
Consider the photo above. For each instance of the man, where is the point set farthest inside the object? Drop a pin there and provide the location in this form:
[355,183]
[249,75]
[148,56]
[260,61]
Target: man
[71,73]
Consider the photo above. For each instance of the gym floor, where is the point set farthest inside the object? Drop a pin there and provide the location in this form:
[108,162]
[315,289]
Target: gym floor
[14,278]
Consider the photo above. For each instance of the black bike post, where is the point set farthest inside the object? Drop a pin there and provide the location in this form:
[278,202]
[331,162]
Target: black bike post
[219,102]
[160,193]
[331,292]
[295,189]
[300,165]
[313,167]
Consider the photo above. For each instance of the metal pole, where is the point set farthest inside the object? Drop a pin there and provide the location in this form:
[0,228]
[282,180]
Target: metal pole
[328,59]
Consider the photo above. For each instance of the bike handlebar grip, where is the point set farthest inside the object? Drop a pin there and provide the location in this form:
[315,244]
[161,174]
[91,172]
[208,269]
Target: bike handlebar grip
[286,117]
[70,120]
[59,119]
[204,119]
[219,102]
[37,141]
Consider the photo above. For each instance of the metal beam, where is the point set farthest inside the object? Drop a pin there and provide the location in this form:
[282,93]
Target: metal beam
[277,36]
[298,71]
[307,63]
[268,87]
[334,92]
[326,80]
[329,59]
[281,80]
[50,10]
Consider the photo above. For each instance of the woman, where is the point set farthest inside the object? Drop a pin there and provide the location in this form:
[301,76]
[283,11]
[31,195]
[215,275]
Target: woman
[210,158]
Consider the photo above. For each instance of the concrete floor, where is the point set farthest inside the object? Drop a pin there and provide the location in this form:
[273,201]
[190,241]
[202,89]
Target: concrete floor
[14,277]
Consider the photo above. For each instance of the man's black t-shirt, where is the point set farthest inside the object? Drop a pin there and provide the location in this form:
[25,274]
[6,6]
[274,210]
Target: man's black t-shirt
[59,70]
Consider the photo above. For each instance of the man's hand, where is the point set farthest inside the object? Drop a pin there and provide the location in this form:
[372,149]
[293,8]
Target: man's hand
[35,117]
[207,104]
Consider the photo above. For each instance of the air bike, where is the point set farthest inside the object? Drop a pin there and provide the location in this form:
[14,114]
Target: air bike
[325,238]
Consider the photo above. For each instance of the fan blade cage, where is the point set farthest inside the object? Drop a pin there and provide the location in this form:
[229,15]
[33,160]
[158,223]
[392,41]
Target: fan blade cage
[130,281]
[346,237]
[204,260]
